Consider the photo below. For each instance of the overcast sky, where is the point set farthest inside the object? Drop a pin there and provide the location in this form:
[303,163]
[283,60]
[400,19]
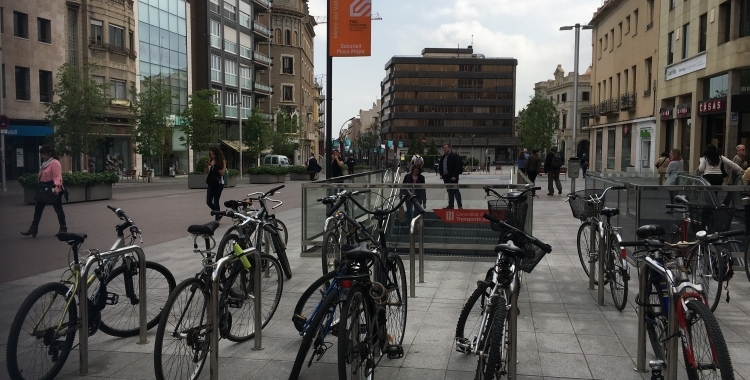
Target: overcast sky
[526,30]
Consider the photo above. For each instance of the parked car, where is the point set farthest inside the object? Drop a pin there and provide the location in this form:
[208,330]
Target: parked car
[275,160]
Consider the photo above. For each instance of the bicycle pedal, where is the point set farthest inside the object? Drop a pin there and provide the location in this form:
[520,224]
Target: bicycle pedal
[112,299]
[299,322]
[395,352]
[463,345]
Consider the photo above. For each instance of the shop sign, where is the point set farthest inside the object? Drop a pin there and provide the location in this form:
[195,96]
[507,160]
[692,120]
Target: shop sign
[683,111]
[685,67]
[712,106]
[468,216]
[666,113]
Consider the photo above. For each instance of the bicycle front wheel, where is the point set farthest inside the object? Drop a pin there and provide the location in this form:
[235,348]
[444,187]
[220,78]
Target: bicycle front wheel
[618,275]
[656,323]
[493,357]
[42,333]
[121,318]
[240,299]
[310,299]
[708,271]
[584,246]
[397,302]
[320,334]
[331,251]
[710,356]
[355,352]
[467,327]
[182,338]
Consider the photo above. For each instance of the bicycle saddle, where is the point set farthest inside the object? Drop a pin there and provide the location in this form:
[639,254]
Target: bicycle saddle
[650,230]
[71,238]
[357,252]
[609,212]
[203,229]
[509,250]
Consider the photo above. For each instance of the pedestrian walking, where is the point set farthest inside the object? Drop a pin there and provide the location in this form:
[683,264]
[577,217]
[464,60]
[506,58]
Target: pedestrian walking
[416,160]
[350,163]
[214,170]
[450,168]
[713,167]
[50,177]
[741,160]
[533,166]
[312,166]
[522,157]
[584,165]
[661,166]
[415,176]
[552,164]
[674,167]
[437,165]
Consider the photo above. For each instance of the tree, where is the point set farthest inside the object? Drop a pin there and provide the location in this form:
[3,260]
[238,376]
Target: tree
[78,111]
[538,122]
[199,121]
[432,150]
[151,108]
[285,140]
[416,146]
[256,134]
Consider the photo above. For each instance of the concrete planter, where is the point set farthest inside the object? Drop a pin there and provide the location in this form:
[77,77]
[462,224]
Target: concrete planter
[266,178]
[99,192]
[75,194]
[299,177]
[231,181]
[28,195]
[197,181]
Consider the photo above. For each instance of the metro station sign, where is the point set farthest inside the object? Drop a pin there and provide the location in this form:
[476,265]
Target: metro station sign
[461,216]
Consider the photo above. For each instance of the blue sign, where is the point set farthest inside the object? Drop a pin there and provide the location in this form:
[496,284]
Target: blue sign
[390,143]
[382,150]
[347,142]
[29,130]
[400,144]
[735,116]
[374,150]
[335,143]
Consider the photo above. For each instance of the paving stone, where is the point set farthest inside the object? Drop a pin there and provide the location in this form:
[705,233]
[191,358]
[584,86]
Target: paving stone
[564,365]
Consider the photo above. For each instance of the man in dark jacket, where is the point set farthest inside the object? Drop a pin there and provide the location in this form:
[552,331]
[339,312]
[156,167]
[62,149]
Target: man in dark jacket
[450,168]
[312,167]
[552,167]
[533,165]
[350,162]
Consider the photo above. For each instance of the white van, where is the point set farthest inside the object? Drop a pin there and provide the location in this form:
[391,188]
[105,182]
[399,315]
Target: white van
[275,160]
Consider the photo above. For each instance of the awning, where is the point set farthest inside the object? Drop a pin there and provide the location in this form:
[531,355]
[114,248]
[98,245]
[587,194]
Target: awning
[234,145]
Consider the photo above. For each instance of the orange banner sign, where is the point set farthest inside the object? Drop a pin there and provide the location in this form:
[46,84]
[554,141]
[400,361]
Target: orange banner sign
[349,30]
[467,216]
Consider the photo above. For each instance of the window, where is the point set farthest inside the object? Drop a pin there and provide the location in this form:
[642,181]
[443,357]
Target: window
[627,24]
[230,11]
[606,41]
[116,36]
[612,34]
[744,18]
[20,24]
[230,73]
[230,46]
[685,41]
[23,83]
[97,35]
[214,6]
[670,48]
[247,103]
[725,17]
[648,76]
[601,47]
[672,4]
[2,23]
[744,82]
[287,37]
[564,121]
[716,87]
[45,86]
[627,139]
[702,32]
[246,52]
[245,81]
[650,5]
[217,101]
[216,68]
[215,34]
[245,20]
[611,148]
[584,120]
[635,22]
[585,96]
[117,89]
[287,65]
[277,36]
[3,80]
[131,40]
[565,97]
[230,104]
[44,30]
[72,37]
[625,82]
[98,79]
[295,41]
[287,93]
[635,80]
[619,36]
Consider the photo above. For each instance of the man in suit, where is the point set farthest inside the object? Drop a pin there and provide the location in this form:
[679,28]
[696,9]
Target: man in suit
[450,168]
[312,166]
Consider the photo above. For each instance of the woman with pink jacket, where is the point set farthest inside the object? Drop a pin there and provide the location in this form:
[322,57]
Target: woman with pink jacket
[50,174]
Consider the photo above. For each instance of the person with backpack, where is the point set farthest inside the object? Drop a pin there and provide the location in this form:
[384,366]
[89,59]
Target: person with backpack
[416,161]
[450,168]
[713,167]
[552,164]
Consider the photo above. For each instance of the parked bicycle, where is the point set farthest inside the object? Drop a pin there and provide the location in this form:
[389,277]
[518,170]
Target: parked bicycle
[183,336]
[484,326]
[44,328]
[338,232]
[597,239]
[666,288]
[258,230]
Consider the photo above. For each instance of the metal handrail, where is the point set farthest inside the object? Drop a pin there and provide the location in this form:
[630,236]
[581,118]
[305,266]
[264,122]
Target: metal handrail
[416,223]
[83,329]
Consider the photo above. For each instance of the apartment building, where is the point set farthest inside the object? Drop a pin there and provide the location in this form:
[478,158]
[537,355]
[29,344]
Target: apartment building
[293,71]
[704,93]
[561,92]
[622,121]
[225,43]
[451,96]
[38,37]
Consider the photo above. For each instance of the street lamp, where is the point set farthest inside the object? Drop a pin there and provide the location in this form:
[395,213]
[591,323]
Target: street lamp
[577,28]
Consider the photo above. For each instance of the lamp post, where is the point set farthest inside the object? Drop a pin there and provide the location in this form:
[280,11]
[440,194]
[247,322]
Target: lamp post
[472,150]
[577,28]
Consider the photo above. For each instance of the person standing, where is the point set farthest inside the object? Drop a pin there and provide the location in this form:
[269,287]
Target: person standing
[336,165]
[741,160]
[50,174]
[450,168]
[713,167]
[661,166]
[214,170]
[533,165]
[522,157]
[675,167]
[584,165]
[312,166]
[552,165]
[350,162]
[415,176]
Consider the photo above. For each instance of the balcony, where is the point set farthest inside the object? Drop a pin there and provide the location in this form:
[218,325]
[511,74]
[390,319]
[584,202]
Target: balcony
[627,101]
[262,59]
[594,110]
[96,43]
[262,89]
[261,30]
[262,6]
[118,49]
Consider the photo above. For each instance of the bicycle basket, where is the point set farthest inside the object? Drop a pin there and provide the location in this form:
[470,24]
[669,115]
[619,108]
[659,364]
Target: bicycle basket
[581,208]
[511,213]
[534,255]
[711,218]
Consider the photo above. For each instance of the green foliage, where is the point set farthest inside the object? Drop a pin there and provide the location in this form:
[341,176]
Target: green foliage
[361,166]
[365,141]
[256,134]
[103,178]
[272,170]
[416,146]
[28,180]
[199,118]
[151,108]
[538,122]
[233,172]
[432,150]
[473,161]
[297,169]
[78,111]
[285,136]
[201,165]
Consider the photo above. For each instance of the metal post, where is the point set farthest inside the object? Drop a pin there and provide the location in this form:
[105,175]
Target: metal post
[421,249]
[513,333]
[603,246]
[592,262]
[574,122]
[240,138]
[672,333]
[213,318]
[329,94]
[412,265]
[642,294]
[4,187]
[257,294]
[83,329]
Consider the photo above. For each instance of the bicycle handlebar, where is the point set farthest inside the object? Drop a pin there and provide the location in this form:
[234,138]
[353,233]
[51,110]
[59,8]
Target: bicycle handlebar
[488,190]
[655,243]
[274,190]
[417,204]
[544,247]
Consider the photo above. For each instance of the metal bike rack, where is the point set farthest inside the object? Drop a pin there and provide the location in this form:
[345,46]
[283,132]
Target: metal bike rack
[513,331]
[214,305]
[83,329]
[416,223]
[600,273]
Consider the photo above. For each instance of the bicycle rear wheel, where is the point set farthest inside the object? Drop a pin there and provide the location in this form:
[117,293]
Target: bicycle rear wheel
[707,269]
[37,348]
[331,251]
[706,356]
[493,360]
[397,302]
[355,351]
[310,299]
[121,319]
[617,273]
[656,323]
[182,338]
[320,334]
[584,242]
[470,317]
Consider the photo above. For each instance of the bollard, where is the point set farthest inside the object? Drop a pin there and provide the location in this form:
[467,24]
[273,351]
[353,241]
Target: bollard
[592,266]
[83,329]
[421,249]
[600,273]
[642,290]
[415,223]
[513,330]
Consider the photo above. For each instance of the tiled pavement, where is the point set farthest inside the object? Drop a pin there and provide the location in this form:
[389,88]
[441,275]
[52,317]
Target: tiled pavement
[562,332]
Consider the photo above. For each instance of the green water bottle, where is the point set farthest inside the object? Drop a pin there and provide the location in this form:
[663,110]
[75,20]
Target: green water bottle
[241,254]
